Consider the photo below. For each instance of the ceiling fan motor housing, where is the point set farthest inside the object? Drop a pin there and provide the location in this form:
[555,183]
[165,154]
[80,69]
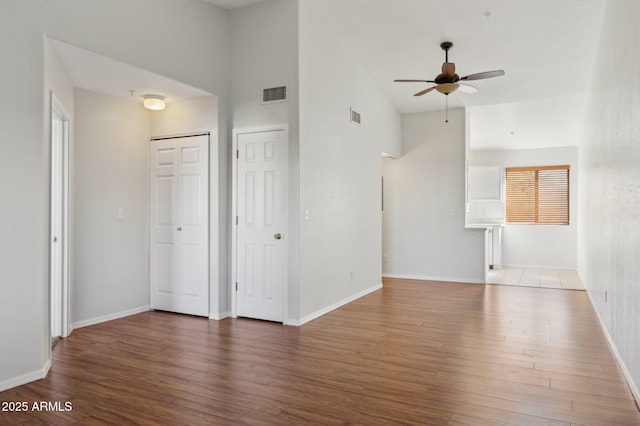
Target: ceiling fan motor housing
[440,79]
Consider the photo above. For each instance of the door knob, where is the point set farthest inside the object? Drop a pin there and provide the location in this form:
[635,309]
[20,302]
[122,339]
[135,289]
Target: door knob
[179,228]
[277,236]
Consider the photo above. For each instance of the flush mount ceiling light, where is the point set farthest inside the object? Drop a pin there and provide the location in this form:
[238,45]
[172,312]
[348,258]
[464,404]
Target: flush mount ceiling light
[154,102]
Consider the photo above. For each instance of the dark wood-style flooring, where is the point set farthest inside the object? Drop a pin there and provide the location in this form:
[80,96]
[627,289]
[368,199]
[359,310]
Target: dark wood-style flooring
[423,353]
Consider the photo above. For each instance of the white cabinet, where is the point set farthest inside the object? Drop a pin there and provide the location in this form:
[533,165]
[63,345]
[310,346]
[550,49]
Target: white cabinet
[484,196]
[485,184]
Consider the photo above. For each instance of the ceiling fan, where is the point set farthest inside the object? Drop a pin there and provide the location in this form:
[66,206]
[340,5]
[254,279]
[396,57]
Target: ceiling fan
[448,82]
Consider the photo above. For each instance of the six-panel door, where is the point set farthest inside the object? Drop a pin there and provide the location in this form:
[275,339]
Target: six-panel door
[261,228]
[179,261]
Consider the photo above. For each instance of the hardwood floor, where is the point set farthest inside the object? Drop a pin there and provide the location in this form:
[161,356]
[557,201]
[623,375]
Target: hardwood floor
[423,353]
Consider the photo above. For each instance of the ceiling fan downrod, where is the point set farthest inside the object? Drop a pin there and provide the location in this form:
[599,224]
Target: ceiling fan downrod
[446,45]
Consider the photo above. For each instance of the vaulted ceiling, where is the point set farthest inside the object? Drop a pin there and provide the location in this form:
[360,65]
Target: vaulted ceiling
[546,48]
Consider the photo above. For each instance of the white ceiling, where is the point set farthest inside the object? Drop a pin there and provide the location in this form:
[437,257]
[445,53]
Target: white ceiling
[539,123]
[91,71]
[546,47]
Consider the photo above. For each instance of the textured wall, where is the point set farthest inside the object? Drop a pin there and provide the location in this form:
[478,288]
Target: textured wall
[110,266]
[609,161]
[424,214]
[267,34]
[340,242]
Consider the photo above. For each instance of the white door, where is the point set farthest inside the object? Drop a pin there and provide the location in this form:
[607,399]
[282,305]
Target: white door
[57,214]
[261,232]
[180,225]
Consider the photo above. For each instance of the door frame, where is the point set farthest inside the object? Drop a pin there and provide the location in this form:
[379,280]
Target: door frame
[234,213]
[57,110]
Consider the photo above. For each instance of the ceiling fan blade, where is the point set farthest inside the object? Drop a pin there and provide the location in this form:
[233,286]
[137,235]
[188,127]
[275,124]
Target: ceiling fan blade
[467,88]
[425,91]
[483,75]
[414,81]
[448,69]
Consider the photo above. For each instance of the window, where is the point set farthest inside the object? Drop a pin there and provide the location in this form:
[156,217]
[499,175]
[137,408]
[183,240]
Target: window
[538,195]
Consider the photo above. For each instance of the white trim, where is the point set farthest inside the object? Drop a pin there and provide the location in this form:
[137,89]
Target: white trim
[56,108]
[431,278]
[234,212]
[219,316]
[110,317]
[26,378]
[625,371]
[332,307]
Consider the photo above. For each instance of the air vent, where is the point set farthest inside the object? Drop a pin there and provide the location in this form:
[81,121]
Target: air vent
[355,116]
[274,94]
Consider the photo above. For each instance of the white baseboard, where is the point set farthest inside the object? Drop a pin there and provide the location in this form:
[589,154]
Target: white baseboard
[332,307]
[110,317]
[625,371]
[26,378]
[430,278]
[220,316]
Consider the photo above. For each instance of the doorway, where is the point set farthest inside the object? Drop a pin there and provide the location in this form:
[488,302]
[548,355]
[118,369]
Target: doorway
[260,215]
[59,222]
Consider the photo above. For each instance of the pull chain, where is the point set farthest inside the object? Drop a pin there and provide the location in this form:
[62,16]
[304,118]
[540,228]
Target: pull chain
[446,109]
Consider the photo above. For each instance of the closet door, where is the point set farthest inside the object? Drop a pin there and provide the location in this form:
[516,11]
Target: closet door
[179,234]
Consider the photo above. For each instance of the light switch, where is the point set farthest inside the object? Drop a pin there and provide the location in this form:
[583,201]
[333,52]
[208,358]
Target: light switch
[120,213]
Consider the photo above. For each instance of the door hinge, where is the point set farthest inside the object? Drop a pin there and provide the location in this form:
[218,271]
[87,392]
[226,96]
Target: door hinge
[236,286]
[237,153]
[237,220]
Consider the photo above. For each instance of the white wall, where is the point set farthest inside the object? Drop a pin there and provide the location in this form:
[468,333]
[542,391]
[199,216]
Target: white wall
[193,47]
[550,246]
[264,46]
[196,116]
[609,192]
[110,264]
[424,204]
[340,243]
[56,80]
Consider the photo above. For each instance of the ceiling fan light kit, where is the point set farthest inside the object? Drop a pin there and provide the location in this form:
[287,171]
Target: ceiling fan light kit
[448,81]
[447,88]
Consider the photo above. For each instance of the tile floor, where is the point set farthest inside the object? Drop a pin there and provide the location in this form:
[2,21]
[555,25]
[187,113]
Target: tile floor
[536,277]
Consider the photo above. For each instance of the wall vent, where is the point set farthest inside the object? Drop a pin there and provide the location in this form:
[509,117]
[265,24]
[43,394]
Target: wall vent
[274,94]
[355,116]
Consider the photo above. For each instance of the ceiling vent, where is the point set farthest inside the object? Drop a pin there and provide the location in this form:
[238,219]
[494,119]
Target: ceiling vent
[274,94]
[355,116]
